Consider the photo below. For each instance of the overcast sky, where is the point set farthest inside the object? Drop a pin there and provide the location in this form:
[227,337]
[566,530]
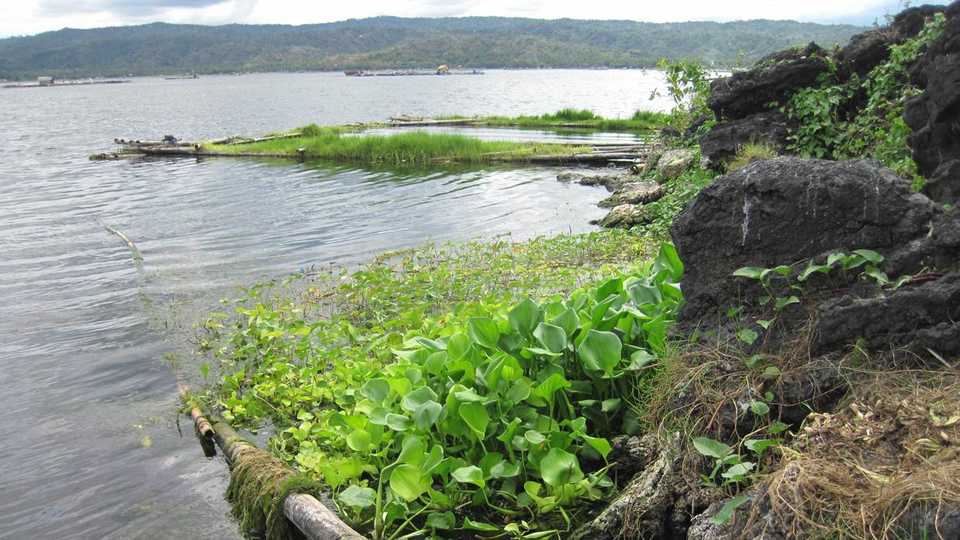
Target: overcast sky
[24,17]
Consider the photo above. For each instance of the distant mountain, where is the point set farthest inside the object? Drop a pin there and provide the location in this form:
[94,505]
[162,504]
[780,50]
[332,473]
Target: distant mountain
[392,42]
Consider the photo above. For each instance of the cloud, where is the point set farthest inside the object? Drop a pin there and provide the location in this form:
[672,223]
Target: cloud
[134,8]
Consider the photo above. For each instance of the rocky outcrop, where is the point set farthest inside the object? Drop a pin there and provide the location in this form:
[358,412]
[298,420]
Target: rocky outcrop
[871,48]
[921,317]
[623,217]
[774,79]
[944,186]
[786,210]
[634,193]
[611,181]
[674,162]
[723,142]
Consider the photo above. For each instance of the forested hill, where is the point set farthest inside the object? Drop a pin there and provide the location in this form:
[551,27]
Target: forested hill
[391,42]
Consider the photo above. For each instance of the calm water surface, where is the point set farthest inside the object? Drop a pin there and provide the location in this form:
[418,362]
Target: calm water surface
[90,446]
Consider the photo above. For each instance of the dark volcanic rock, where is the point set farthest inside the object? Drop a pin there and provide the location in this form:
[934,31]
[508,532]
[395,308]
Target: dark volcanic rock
[785,210]
[864,52]
[774,79]
[935,115]
[726,138]
[920,317]
[945,184]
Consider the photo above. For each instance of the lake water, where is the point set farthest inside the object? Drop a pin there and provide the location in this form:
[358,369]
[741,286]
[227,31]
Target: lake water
[90,446]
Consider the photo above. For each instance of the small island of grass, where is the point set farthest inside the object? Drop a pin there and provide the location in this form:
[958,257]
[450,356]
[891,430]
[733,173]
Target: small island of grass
[573,119]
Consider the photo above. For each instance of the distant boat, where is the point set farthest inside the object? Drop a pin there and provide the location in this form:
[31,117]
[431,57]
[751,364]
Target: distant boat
[181,77]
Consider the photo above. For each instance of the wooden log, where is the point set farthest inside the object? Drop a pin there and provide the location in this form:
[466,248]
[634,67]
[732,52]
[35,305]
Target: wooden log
[310,516]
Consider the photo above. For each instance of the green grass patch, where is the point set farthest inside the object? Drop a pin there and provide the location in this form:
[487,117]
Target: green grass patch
[414,148]
[576,118]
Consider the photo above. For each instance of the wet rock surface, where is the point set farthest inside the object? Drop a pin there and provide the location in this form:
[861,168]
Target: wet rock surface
[611,180]
[623,216]
[674,162]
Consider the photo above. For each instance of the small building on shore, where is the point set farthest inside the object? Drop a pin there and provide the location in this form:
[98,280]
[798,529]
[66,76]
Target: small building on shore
[45,81]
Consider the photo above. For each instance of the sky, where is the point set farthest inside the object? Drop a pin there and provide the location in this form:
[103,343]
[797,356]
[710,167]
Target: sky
[27,17]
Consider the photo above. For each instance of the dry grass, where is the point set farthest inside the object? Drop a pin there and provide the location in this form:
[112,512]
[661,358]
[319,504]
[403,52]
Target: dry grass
[878,468]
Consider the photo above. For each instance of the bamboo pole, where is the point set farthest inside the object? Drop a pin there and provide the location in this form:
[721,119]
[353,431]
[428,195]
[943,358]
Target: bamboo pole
[310,516]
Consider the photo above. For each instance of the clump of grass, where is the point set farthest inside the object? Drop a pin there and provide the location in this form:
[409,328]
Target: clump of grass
[577,118]
[750,152]
[414,148]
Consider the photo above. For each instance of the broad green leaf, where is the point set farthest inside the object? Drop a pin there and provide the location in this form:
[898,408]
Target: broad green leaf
[711,448]
[469,475]
[748,336]
[771,372]
[357,497]
[749,272]
[398,422]
[553,338]
[778,427]
[642,294]
[376,390]
[505,469]
[738,471]
[413,450]
[408,482]
[551,386]
[524,317]
[441,521]
[413,400]
[726,511]
[476,417]
[668,259]
[608,287]
[600,352]
[567,320]
[759,408]
[610,405]
[484,332]
[560,467]
[458,345]
[519,391]
[757,446]
[834,258]
[602,446]
[813,269]
[640,359]
[783,302]
[359,441]
[880,277]
[427,414]
[534,437]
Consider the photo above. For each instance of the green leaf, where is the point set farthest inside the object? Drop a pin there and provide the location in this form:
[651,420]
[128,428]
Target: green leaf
[359,441]
[757,446]
[441,521]
[600,352]
[458,346]
[357,497]
[376,390]
[783,302]
[834,258]
[738,471]
[524,317]
[567,320]
[469,475]
[749,272]
[642,294]
[748,336]
[771,373]
[813,269]
[778,427]
[870,255]
[553,338]
[668,259]
[560,467]
[398,422]
[427,414]
[759,408]
[610,405]
[472,525]
[602,446]
[640,359]
[534,436]
[551,386]
[519,391]
[727,510]
[413,400]
[484,332]
[505,469]
[407,482]
[711,448]
[476,417]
